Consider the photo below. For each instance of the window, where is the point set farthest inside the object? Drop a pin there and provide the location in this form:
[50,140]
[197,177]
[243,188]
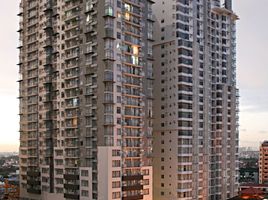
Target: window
[146,191]
[145,172]
[118,35]
[116,184]
[84,183]
[118,99]
[109,11]
[116,174]
[116,195]
[115,152]
[116,163]
[84,193]
[146,182]
[84,172]
[118,110]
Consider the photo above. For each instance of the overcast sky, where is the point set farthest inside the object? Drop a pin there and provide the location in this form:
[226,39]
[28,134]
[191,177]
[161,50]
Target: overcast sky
[252,71]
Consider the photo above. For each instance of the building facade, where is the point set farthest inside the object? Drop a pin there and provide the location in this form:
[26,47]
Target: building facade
[263,163]
[195,108]
[85,99]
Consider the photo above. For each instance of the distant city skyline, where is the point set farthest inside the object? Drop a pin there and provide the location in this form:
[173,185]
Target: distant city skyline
[251,71]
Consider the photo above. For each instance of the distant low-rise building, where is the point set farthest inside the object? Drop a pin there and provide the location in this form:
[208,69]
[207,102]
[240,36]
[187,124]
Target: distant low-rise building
[247,152]
[248,175]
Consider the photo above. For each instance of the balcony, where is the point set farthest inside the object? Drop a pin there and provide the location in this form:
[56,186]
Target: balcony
[132,144]
[72,14]
[48,60]
[109,55]
[89,49]
[71,186]
[108,76]
[132,81]
[48,43]
[108,98]
[71,55]
[89,29]
[73,83]
[33,173]
[71,177]
[48,6]
[109,33]
[71,133]
[132,177]
[48,25]
[136,197]
[72,155]
[72,144]
[33,182]
[133,20]
[71,196]
[71,25]
[132,187]
[34,191]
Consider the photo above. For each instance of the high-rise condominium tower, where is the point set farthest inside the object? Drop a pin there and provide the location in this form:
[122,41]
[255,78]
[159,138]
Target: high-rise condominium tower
[195,107]
[86,99]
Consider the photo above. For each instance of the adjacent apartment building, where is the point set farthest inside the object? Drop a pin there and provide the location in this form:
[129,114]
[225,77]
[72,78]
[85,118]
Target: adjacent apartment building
[263,163]
[195,148]
[86,99]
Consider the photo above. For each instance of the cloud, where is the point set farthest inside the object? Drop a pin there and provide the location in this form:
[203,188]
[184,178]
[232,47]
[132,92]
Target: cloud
[263,132]
[254,101]
[252,59]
